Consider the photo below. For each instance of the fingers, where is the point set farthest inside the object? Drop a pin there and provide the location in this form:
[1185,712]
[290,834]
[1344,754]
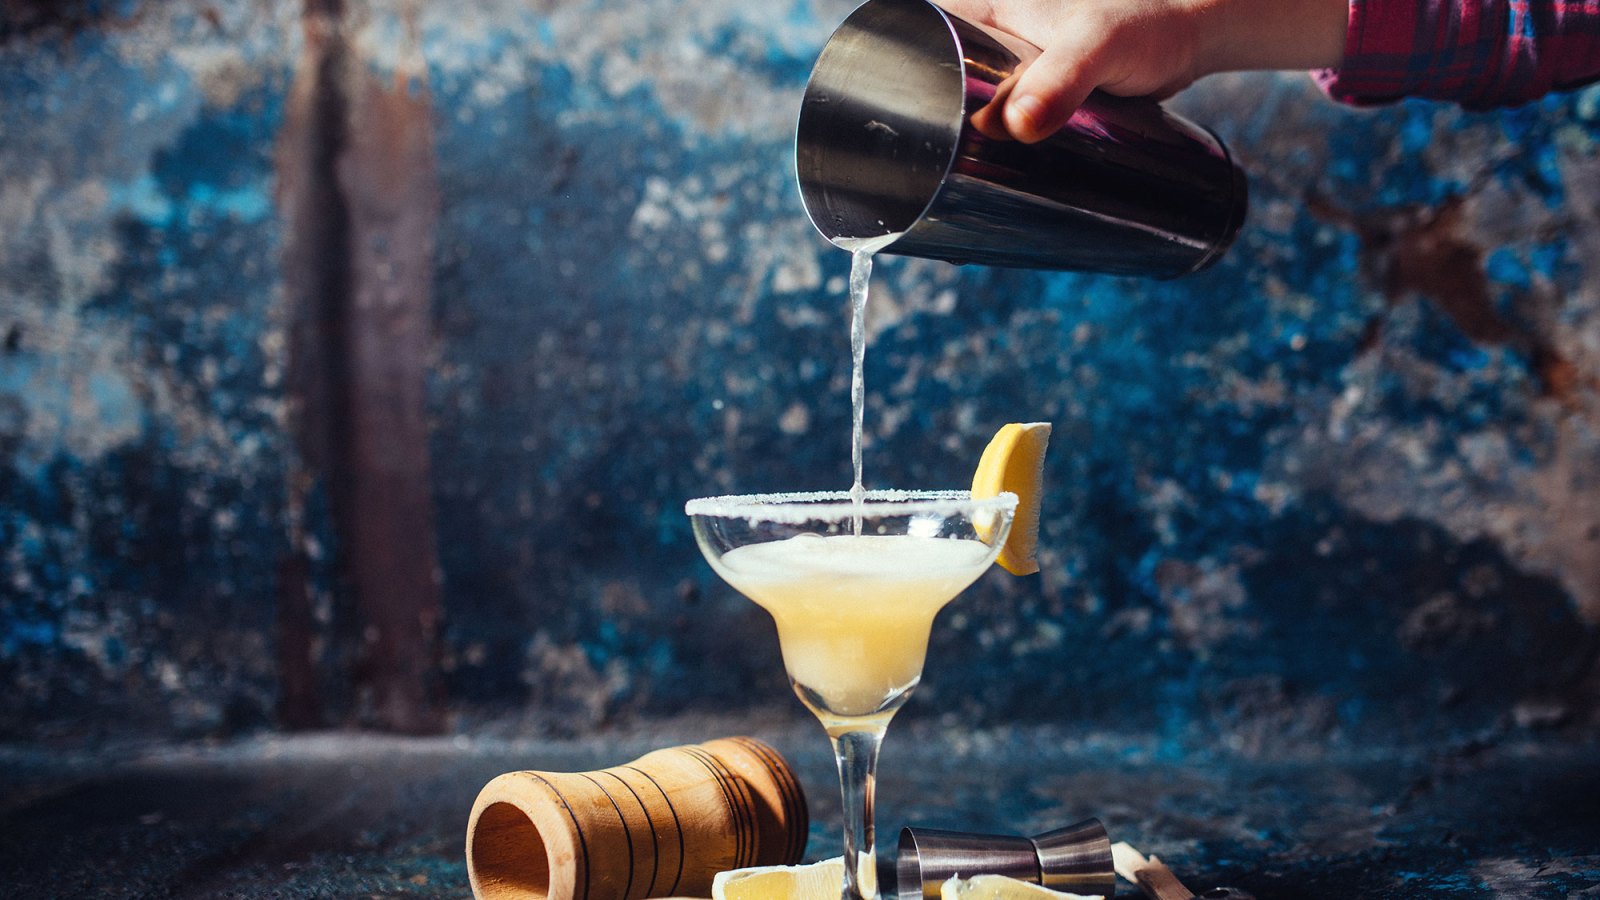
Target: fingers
[990,118]
[1049,91]
[1037,100]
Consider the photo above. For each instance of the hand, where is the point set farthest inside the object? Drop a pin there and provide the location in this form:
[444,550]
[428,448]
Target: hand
[1143,47]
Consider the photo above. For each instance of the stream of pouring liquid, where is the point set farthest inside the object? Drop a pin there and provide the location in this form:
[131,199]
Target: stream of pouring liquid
[861,252]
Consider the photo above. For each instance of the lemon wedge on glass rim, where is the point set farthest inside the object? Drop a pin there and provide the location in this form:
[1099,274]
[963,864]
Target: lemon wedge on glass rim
[1014,461]
[813,881]
[1000,887]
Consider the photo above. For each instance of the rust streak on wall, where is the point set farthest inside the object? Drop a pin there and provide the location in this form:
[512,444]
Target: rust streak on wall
[1428,252]
[359,194]
[388,175]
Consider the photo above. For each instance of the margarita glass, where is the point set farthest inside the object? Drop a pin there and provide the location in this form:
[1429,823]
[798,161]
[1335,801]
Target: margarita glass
[853,587]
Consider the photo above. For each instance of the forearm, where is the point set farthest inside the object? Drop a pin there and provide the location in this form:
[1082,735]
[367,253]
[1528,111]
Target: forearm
[1474,52]
[1478,53]
[1236,35]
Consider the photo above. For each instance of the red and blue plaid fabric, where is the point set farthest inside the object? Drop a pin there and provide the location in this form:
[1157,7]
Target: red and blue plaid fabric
[1479,53]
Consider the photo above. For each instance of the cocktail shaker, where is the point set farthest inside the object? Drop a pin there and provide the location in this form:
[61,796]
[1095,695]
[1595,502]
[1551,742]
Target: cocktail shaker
[886,145]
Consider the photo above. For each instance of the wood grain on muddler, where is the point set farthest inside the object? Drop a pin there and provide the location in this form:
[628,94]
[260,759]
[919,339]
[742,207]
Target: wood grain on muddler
[663,825]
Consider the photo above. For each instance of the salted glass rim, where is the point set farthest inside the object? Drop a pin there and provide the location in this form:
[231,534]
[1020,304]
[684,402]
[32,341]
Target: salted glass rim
[810,506]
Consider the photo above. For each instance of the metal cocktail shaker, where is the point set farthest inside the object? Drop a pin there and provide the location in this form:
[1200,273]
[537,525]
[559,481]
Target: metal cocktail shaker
[886,145]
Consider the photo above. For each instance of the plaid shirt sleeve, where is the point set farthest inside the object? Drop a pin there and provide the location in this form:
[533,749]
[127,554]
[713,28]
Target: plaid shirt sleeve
[1479,53]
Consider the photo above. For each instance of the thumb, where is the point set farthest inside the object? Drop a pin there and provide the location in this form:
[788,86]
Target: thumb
[1048,92]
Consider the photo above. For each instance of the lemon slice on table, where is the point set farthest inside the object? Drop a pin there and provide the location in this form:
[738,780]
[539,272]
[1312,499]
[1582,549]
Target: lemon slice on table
[1000,887]
[815,881]
[1014,461]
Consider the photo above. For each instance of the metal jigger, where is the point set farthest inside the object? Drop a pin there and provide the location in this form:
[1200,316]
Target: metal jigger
[1075,859]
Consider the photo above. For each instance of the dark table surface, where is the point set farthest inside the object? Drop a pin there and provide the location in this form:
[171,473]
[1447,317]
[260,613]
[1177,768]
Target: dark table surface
[353,815]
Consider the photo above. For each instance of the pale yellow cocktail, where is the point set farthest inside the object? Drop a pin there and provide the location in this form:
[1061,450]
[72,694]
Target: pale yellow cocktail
[853,581]
[854,612]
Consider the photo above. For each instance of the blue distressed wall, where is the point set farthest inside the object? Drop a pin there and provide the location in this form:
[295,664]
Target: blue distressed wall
[1343,487]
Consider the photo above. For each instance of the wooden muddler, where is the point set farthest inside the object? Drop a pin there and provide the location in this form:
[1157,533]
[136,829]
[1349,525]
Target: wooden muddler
[660,826]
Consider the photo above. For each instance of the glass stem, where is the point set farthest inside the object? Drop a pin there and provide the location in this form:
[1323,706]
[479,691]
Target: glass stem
[857,755]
